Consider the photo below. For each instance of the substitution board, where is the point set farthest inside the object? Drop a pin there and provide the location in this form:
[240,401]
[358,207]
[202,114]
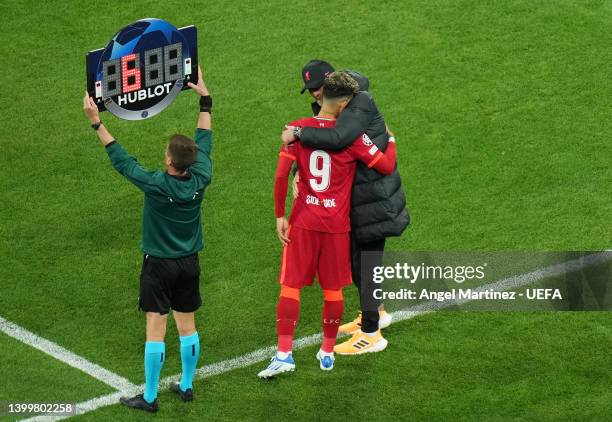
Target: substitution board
[143,68]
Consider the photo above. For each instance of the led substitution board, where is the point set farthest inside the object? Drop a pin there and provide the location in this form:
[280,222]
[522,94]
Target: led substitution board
[143,68]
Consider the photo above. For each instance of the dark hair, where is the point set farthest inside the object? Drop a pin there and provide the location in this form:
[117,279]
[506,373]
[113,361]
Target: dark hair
[182,151]
[339,85]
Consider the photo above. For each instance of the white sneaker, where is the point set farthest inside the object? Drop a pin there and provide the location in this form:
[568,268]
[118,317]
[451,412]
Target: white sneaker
[278,366]
[384,319]
[326,360]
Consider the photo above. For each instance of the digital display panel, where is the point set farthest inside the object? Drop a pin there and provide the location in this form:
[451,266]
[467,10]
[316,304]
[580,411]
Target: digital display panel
[143,68]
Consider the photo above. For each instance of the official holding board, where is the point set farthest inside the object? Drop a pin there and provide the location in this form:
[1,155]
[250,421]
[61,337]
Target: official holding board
[171,240]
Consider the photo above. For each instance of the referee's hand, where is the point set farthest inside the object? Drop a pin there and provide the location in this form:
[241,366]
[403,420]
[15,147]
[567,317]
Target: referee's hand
[282,227]
[200,88]
[90,108]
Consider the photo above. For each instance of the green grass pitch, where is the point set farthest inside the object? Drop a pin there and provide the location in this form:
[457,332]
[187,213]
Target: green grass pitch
[502,113]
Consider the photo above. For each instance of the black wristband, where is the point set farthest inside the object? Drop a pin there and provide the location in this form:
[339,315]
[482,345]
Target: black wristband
[206,104]
[96,126]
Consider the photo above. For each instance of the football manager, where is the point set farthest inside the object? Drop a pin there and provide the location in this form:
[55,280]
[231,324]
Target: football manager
[171,240]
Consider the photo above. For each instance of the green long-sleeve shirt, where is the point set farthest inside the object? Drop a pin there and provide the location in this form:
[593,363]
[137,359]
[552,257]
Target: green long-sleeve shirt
[171,221]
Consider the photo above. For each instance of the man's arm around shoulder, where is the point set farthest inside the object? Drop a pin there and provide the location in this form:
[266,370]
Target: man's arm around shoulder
[353,121]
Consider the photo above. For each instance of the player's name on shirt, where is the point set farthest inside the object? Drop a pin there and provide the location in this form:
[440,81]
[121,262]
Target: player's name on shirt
[324,202]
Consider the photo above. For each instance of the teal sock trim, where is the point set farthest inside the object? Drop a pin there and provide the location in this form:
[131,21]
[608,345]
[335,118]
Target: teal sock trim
[154,356]
[190,352]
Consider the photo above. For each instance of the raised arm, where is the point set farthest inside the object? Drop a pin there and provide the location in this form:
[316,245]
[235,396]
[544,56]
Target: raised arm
[93,114]
[128,166]
[202,168]
[204,120]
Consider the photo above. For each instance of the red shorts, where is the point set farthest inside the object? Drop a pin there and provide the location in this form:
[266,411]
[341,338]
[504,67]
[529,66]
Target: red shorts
[328,255]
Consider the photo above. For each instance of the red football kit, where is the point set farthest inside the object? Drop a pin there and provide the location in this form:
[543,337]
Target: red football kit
[319,224]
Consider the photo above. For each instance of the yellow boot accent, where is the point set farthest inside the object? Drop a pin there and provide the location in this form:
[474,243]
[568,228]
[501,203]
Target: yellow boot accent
[361,343]
[351,327]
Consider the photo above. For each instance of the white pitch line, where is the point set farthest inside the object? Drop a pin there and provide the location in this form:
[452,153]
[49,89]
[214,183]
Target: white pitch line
[64,355]
[262,354]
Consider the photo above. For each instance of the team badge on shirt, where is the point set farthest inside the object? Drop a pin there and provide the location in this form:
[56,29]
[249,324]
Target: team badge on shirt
[366,140]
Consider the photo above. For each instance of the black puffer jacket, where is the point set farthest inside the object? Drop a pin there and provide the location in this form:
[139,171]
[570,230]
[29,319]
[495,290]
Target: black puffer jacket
[378,203]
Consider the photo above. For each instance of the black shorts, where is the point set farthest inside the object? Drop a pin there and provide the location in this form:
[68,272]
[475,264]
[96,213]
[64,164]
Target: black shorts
[170,284]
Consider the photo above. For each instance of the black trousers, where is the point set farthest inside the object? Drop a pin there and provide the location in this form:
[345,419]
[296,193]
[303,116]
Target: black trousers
[362,278]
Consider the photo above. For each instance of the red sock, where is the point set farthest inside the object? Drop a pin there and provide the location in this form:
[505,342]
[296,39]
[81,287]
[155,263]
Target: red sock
[332,316]
[287,314]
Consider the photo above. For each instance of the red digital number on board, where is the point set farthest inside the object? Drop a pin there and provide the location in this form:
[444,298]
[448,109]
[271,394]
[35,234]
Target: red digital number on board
[130,78]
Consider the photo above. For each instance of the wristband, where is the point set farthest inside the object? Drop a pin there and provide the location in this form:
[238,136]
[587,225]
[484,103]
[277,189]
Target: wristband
[206,104]
[392,139]
[96,126]
[297,132]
